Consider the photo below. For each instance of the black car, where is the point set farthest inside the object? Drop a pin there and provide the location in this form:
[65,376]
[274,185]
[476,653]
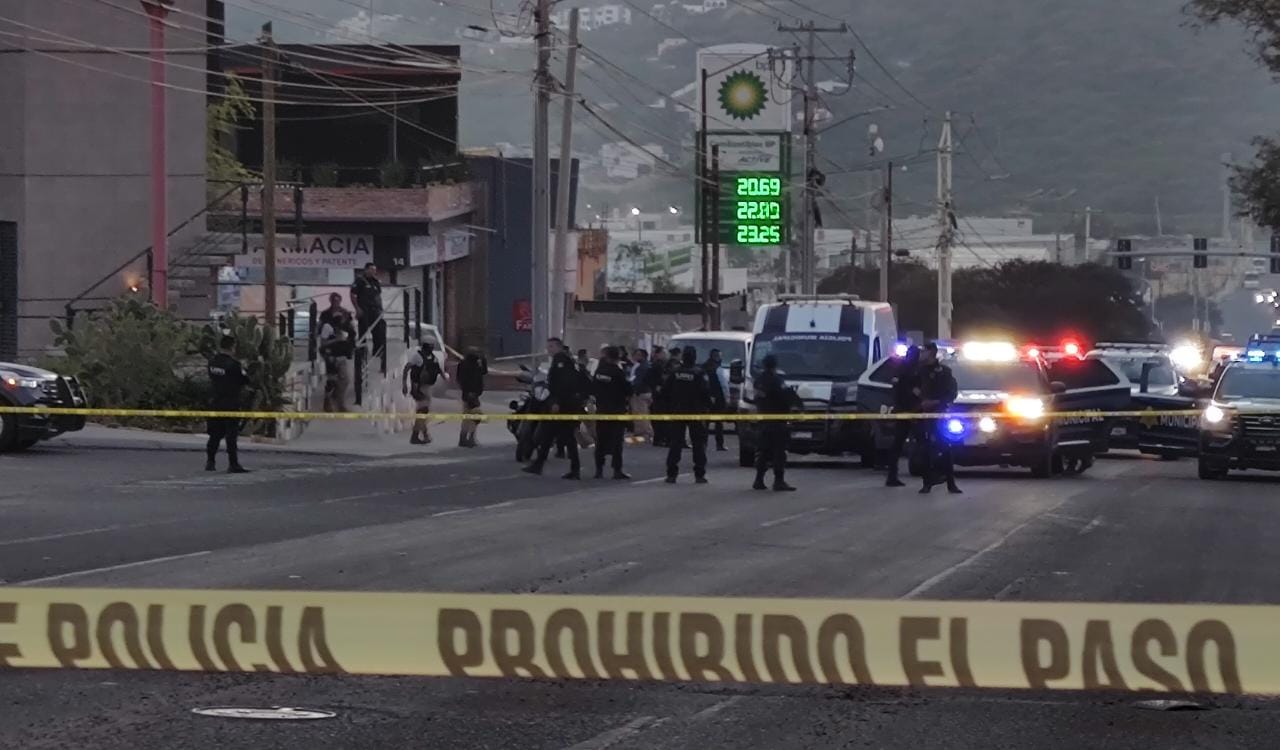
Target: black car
[21,385]
[1021,389]
[1240,427]
[1155,385]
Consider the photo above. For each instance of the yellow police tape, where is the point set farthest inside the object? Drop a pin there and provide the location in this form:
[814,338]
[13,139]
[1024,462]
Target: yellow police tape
[1161,647]
[1087,414]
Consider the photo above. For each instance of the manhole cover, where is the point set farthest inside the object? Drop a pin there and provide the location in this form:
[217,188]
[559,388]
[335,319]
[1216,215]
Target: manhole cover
[1169,705]
[277,713]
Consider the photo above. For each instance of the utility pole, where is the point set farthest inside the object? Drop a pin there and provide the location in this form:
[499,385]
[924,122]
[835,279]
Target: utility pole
[713,288]
[866,221]
[559,295]
[808,280]
[946,221]
[1088,231]
[269,177]
[886,237]
[541,174]
[708,220]
[1159,222]
[1226,198]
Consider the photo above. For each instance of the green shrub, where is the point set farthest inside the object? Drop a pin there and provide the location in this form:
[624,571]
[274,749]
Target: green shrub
[265,363]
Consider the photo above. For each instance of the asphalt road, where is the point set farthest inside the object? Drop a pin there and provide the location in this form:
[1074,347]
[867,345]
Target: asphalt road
[1130,530]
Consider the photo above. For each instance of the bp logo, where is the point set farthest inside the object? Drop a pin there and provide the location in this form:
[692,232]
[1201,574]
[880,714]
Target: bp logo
[742,95]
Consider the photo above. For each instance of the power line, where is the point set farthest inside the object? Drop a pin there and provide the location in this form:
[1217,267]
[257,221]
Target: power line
[885,70]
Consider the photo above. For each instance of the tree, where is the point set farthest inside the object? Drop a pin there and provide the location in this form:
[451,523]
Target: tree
[632,261]
[1257,184]
[223,117]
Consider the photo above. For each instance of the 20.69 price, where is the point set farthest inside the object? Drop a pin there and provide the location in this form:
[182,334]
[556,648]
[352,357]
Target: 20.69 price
[758,234]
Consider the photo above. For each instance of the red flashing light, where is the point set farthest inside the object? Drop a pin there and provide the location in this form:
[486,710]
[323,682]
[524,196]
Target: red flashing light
[1071,348]
[1033,353]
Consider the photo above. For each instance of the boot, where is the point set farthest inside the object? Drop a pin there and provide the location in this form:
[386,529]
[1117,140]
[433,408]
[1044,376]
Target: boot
[237,469]
[599,472]
[893,480]
[571,475]
[700,479]
[781,486]
[620,474]
[210,465]
[533,468]
[416,438]
[952,487]
[671,479]
[759,483]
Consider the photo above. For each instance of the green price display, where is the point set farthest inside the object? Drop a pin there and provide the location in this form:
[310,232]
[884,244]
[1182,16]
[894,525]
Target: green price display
[755,209]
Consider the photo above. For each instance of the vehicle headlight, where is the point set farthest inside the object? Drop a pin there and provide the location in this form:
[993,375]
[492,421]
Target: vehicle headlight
[987,424]
[1186,357]
[1215,417]
[1025,407]
[14,381]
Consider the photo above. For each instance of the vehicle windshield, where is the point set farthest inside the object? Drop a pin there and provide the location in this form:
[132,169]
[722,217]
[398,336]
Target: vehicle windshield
[1020,377]
[813,356]
[1159,377]
[1245,383]
[730,349]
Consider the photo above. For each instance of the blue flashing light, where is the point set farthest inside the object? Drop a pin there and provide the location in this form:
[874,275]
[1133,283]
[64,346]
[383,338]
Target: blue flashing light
[955,427]
[900,349]
[1256,355]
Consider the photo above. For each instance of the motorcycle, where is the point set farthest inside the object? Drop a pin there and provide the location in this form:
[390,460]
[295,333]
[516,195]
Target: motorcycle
[535,400]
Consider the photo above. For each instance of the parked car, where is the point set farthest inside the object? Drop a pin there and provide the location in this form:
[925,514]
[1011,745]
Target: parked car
[22,385]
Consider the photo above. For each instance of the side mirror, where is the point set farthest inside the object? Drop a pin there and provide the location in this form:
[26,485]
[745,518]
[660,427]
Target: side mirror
[737,374]
[1057,387]
[514,405]
[1144,382]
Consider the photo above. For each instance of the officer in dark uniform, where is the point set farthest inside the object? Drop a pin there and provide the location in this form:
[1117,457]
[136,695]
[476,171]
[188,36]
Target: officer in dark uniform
[227,379]
[719,401]
[612,393]
[688,391]
[905,400]
[937,389]
[565,385]
[772,397]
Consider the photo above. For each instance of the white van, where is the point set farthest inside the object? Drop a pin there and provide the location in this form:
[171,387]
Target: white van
[823,345]
[733,345]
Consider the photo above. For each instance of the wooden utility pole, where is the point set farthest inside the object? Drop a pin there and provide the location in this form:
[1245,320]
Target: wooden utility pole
[541,177]
[713,287]
[269,176]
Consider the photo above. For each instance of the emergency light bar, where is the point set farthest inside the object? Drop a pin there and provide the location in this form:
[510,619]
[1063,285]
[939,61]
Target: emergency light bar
[989,351]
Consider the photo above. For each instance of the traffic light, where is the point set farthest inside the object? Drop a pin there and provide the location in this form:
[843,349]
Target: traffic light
[1123,248]
[1275,253]
[1201,259]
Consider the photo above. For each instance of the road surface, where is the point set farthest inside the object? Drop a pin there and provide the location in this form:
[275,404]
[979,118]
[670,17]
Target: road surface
[1131,530]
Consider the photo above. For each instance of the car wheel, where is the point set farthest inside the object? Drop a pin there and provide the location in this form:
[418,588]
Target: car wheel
[8,432]
[1042,467]
[746,456]
[1209,470]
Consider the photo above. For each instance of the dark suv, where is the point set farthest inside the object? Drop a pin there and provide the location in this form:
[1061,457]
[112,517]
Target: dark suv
[1240,428]
[21,385]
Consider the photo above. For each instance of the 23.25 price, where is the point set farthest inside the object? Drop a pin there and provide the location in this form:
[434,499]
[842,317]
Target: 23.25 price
[758,234]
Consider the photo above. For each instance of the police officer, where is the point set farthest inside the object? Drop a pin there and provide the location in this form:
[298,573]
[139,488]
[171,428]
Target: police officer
[719,401]
[905,400]
[772,397]
[612,392]
[649,379]
[227,379]
[688,391]
[937,390]
[565,385]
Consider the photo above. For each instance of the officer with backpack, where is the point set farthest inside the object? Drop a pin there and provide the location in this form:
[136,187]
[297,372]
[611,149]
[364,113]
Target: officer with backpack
[420,373]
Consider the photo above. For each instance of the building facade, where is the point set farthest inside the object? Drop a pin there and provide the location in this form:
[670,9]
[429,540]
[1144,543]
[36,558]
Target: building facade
[75,154]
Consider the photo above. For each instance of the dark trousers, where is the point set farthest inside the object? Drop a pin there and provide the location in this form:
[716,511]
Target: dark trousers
[558,433]
[378,339]
[772,451]
[609,443]
[697,432]
[938,464]
[718,427]
[901,430]
[220,429]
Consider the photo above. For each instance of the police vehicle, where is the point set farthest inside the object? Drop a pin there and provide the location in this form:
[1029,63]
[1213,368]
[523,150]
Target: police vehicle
[1004,394]
[1240,427]
[1157,383]
[21,385]
[823,344]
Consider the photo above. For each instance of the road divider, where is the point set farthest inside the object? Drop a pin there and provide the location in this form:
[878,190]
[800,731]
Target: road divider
[585,417]
[1035,645]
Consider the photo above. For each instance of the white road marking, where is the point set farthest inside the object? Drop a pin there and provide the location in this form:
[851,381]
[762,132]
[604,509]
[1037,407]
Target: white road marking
[506,504]
[1095,523]
[64,535]
[109,568]
[655,479]
[792,517]
[716,708]
[410,490]
[929,583]
[618,734]
[455,512]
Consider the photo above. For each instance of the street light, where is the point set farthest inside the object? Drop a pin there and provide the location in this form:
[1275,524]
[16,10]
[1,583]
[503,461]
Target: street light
[639,225]
[674,210]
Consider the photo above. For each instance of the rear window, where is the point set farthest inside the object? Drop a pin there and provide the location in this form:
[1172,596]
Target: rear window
[1000,376]
[1082,373]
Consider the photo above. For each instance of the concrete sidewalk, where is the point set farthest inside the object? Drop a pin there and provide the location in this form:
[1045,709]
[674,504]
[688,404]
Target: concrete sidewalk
[354,438]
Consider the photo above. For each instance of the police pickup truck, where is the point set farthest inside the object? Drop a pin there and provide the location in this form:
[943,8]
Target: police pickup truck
[823,344]
[999,418]
[21,385]
[1240,427]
